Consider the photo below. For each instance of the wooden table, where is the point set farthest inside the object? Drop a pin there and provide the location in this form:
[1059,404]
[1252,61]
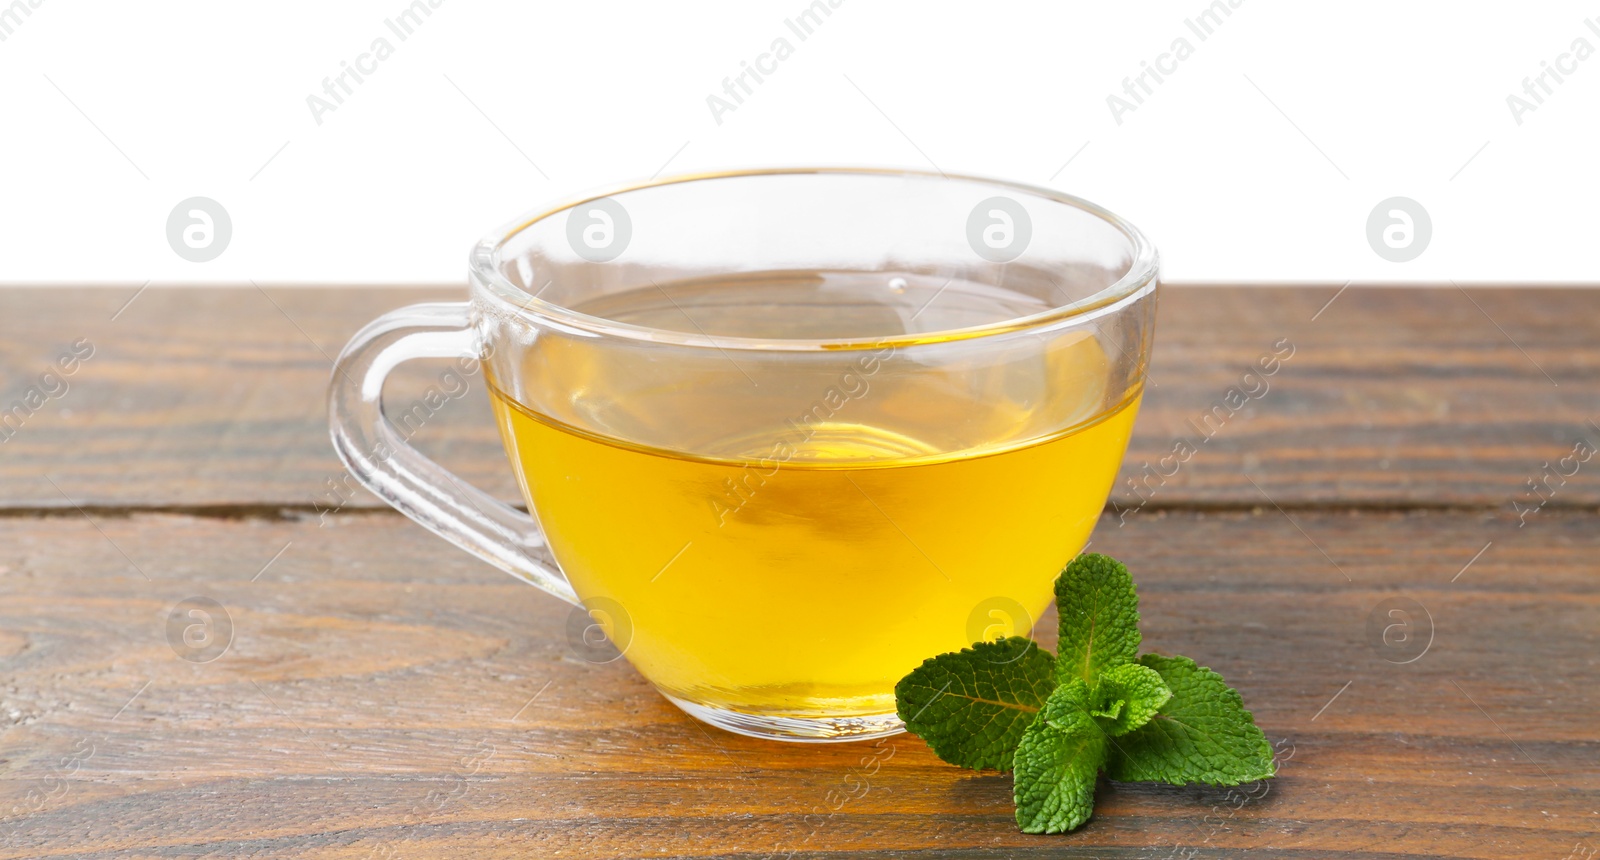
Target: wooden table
[386,695]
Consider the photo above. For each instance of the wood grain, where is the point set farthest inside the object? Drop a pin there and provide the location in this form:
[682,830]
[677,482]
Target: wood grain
[200,399]
[385,695]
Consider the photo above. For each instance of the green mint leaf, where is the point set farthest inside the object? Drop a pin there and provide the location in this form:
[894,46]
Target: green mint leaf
[1202,734]
[1099,617]
[1126,697]
[972,705]
[1057,762]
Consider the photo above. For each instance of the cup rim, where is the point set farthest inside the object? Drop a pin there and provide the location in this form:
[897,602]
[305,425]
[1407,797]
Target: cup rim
[484,264]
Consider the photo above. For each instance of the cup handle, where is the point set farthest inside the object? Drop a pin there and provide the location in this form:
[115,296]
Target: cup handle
[379,457]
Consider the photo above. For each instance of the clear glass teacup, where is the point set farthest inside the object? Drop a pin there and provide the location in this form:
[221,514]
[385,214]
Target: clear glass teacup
[785,433]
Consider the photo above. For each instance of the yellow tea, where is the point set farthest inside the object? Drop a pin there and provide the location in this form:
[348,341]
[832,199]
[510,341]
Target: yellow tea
[802,567]
[850,572]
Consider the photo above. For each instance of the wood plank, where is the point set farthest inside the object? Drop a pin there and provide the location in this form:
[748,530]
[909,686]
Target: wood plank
[387,695]
[200,398]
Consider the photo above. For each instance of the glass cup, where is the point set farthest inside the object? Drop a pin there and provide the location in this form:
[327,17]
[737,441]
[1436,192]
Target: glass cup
[784,433]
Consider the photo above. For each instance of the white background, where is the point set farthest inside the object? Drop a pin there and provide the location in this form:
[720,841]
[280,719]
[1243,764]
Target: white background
[1259,159]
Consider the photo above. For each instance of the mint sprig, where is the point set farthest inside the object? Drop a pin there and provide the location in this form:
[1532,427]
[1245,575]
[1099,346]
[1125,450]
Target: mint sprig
[1099,617]
[1126,696]
[1202,734]
[1061,720]
[972,705]
[1057,761]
